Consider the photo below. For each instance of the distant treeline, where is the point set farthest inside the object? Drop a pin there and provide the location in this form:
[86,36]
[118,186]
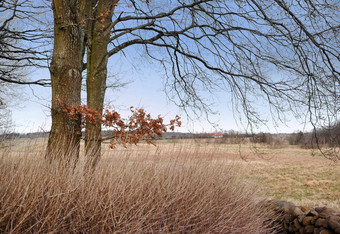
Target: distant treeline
[14,135]
[329,136]
[319,137]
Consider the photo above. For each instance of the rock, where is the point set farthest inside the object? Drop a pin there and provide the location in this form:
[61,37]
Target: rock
[301,230]
[303,208]
[297,224]
[295,212]
[295,229]
[285,207]
[312,212]
[309,229]
[325,213]
[325,225]
[314,220]
[320,209]
[324,231]
[307,220]
[297,219]
[334,223]
[320,222]
[300,218]
[277,203]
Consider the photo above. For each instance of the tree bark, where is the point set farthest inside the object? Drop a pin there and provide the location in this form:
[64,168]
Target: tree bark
[97,58]
[66,76]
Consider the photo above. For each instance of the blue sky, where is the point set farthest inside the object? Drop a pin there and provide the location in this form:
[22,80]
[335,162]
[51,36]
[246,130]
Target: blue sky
[146,89]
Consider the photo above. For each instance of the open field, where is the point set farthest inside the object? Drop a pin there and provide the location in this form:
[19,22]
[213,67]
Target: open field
[194,185]
[287,172]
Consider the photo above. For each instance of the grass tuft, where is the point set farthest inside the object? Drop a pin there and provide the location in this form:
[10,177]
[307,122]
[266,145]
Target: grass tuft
[129,192]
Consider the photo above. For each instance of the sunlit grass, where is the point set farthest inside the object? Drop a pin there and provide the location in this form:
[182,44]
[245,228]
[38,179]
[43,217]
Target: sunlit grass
[307,182]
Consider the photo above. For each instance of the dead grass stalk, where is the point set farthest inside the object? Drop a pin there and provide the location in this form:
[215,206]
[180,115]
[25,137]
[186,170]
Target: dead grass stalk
[126,194]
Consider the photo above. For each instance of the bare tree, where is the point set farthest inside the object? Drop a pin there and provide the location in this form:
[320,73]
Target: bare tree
[284,54]
[5,118]
[23,41]
[21,48]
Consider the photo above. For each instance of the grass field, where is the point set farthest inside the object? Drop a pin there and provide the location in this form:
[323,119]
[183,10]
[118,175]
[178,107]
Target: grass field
[184,185]
[286,173]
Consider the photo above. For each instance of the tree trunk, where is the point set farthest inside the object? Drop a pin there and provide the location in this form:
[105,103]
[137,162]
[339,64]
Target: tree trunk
[65,70]
[97,58]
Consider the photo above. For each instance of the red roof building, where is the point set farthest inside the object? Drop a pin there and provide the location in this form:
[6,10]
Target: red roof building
[218,135]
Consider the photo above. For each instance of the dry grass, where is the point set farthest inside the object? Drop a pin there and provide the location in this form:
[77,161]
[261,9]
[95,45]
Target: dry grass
[286,173]
[303,179]
[169,189]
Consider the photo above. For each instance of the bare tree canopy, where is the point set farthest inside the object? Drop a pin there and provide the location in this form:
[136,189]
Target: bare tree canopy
[23,40]
[286,52]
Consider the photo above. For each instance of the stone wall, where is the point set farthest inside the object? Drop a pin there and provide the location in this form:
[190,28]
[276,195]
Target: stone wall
[296,219]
